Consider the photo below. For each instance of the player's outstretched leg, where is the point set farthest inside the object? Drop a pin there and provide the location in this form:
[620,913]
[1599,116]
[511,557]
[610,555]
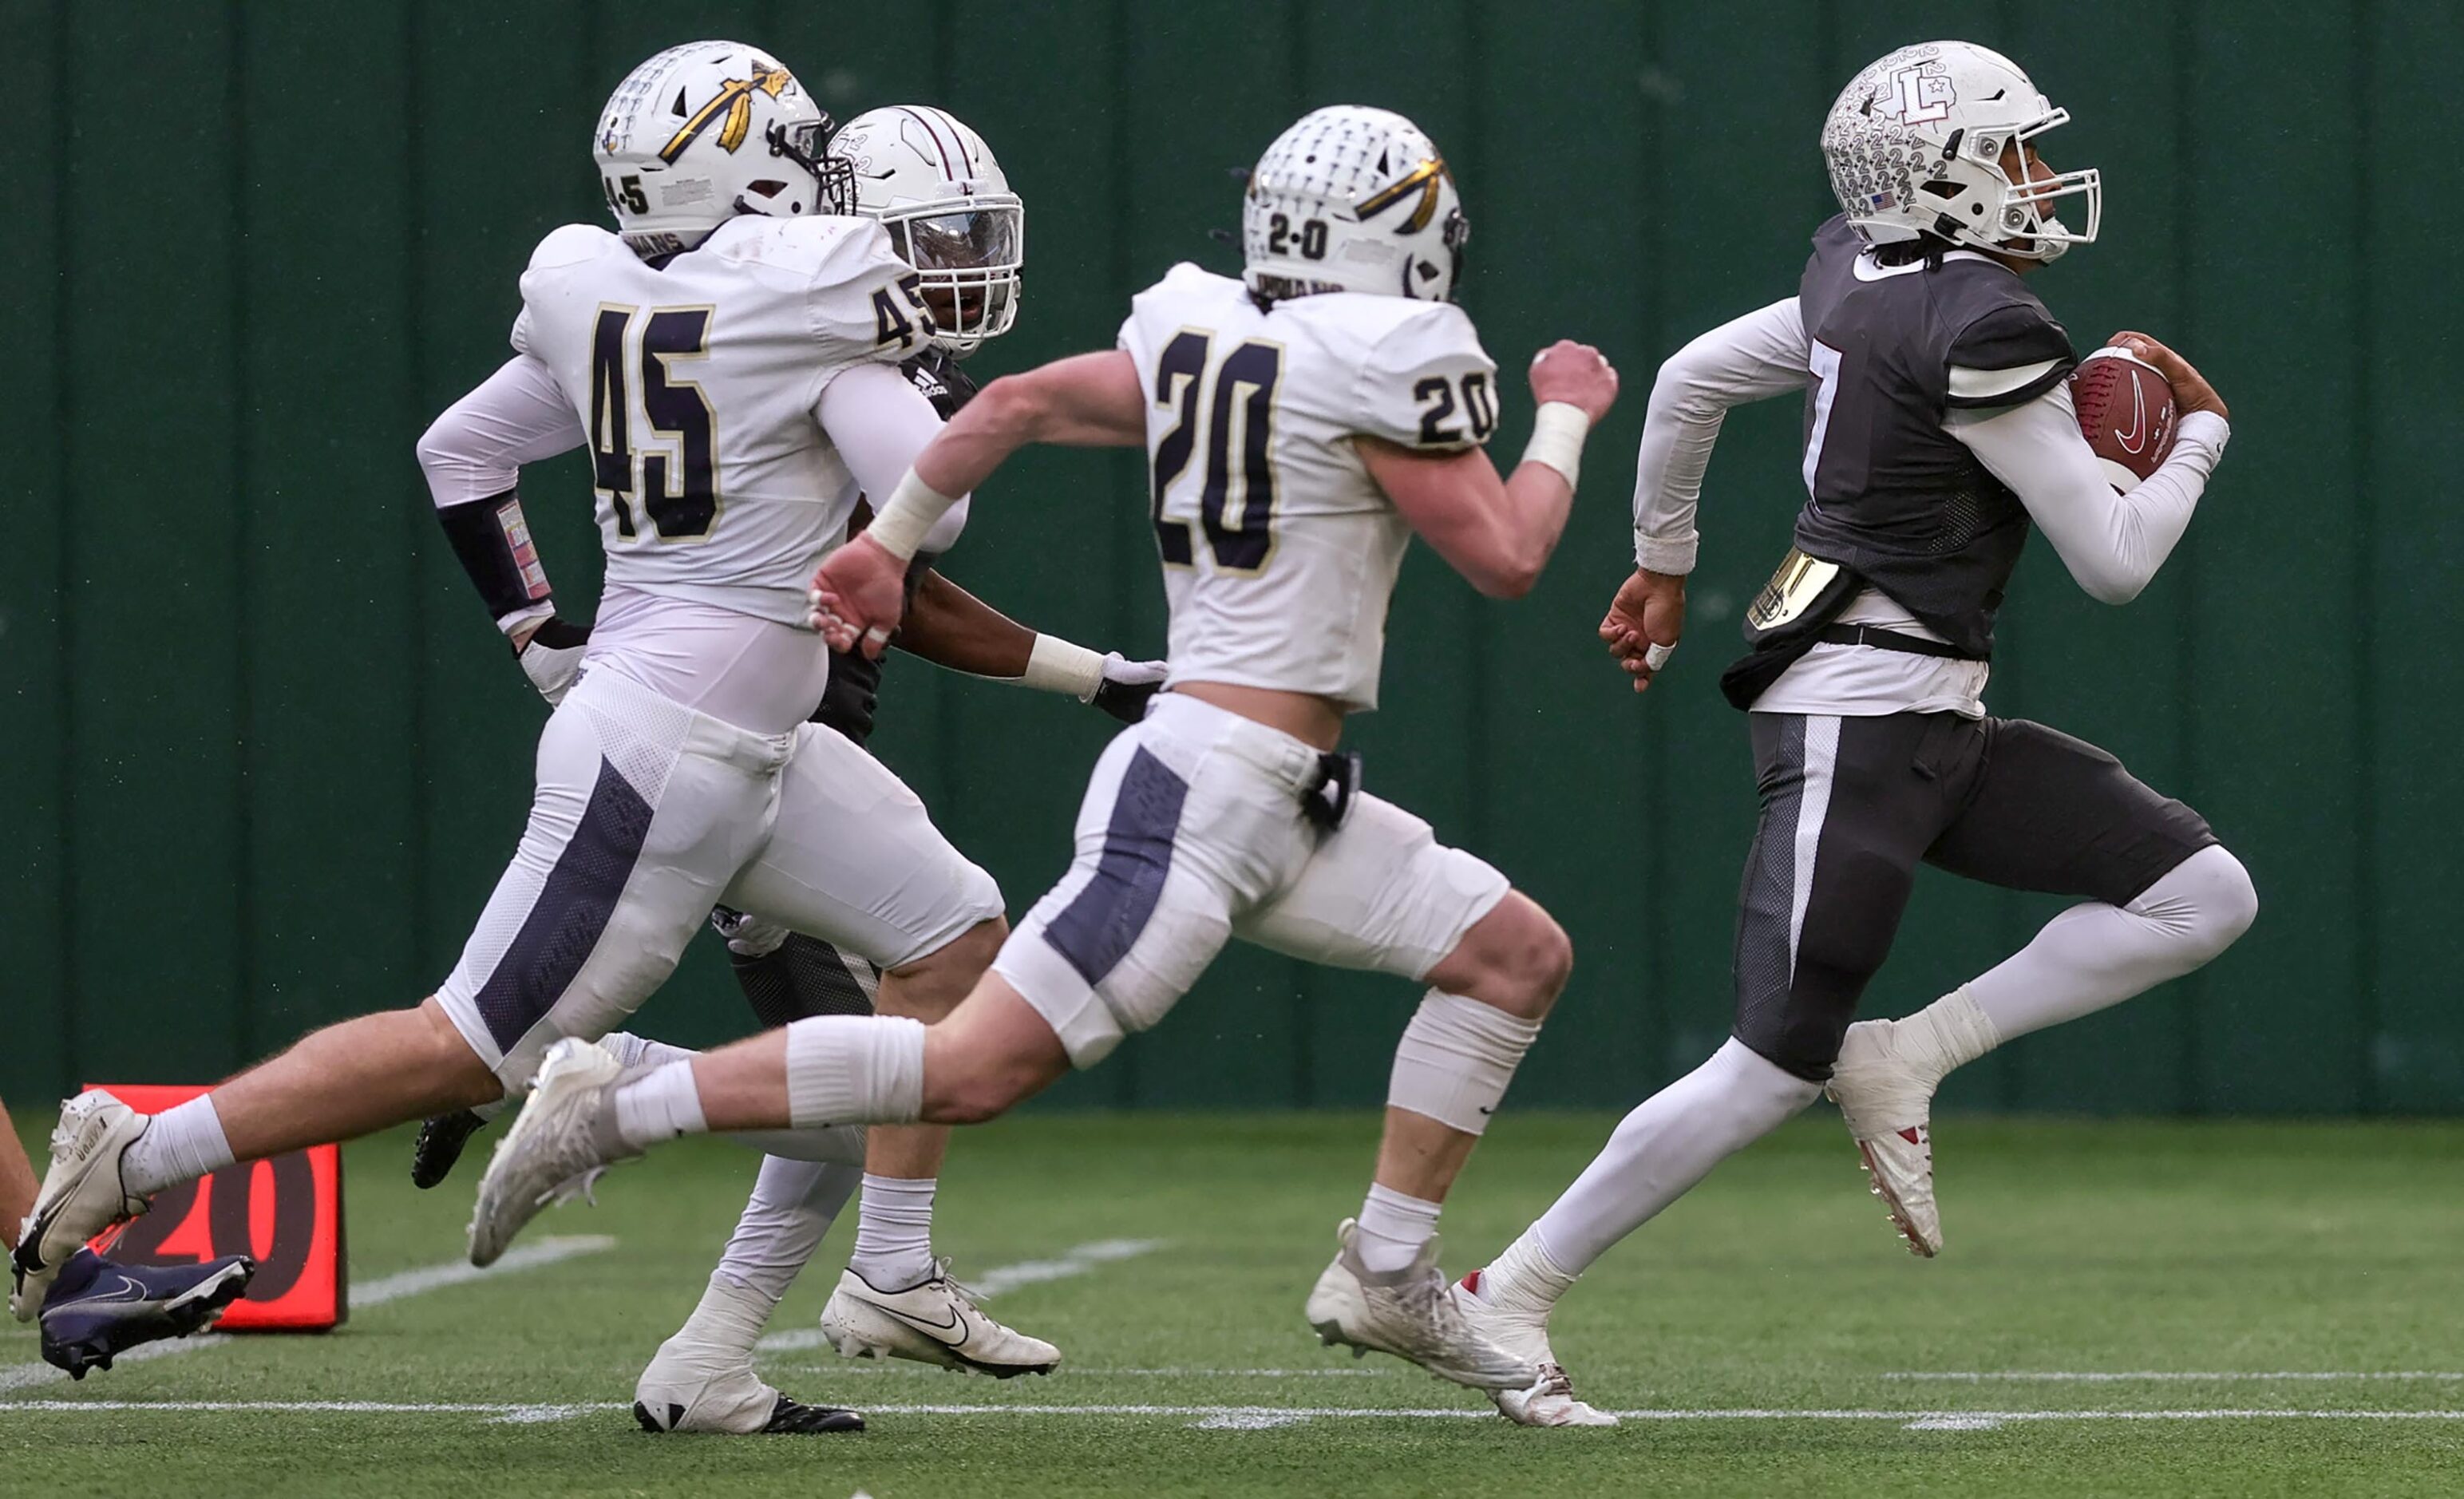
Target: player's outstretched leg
[2088,957]
[97,1308]
[337,1084]
[588,1112]
[1383,1292]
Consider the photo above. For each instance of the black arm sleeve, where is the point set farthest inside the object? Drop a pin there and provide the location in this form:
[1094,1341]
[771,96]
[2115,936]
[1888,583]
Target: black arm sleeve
[492,542]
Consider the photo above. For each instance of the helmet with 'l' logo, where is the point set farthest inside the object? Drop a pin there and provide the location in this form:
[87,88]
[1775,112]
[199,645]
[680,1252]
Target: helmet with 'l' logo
[1915,145]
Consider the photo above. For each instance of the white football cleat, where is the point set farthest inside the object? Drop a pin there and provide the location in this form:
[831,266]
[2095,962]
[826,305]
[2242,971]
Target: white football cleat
[934,1321]
[563,1140]
[82,1193]
[1550,1399]
[693,1387]
[1412,1314]
[1885,1095]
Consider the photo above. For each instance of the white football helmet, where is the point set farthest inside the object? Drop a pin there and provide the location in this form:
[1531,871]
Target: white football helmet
[1354,199]
[947,204]
[1915,146]
[709,130]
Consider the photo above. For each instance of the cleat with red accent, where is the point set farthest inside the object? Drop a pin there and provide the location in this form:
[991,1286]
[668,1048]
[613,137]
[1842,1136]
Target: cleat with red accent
[1883,1084]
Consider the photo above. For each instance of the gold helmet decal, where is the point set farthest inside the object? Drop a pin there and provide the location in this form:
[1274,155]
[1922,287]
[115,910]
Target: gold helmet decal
[1423,179]
[735,97]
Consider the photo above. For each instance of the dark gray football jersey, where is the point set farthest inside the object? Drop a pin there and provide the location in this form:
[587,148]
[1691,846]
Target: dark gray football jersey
[1894,496]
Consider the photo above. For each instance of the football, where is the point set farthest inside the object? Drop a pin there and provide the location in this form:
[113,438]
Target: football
[2126,413]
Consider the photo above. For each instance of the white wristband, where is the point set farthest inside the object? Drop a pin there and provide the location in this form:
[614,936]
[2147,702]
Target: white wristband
[900,526]
[1056,665]
[1557,436]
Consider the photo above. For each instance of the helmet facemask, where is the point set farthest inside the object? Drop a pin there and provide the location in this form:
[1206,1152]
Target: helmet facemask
[2037,233]
[942,197]
[802,143]
[968,253]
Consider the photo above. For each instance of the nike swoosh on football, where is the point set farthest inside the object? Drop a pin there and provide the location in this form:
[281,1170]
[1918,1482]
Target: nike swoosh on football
[2136,437]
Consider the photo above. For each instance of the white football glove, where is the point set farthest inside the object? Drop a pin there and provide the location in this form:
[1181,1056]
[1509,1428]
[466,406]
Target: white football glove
[552,657]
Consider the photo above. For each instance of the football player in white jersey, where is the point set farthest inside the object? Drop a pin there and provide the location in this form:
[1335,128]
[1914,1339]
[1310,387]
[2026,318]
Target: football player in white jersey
[935,186]
[732,360]
[1301,423]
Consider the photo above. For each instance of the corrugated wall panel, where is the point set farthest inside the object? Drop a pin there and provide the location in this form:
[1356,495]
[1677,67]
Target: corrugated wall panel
[2410,387]
[35,740]
[2276,708]
[332,797]
[159,619]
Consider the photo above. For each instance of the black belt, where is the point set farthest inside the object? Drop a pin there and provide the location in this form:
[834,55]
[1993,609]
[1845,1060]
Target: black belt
[1882,639]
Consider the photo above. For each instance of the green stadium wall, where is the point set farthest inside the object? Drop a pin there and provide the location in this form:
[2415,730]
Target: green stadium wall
[267,756]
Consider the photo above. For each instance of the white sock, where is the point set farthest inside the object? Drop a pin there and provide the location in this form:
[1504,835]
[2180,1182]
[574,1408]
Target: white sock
[1524,1277]
[793,1205]
[1670,1141]
[894,1232]
[659,1106]
[855,1069]
[184,1143]
[1393,1228]
[2094,956]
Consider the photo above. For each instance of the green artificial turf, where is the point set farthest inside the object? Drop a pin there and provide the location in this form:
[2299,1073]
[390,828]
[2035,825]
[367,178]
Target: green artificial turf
[1773,1294]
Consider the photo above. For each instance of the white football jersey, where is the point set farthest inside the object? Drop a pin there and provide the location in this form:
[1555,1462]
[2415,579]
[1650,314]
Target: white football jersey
[696,385]
[1279,550]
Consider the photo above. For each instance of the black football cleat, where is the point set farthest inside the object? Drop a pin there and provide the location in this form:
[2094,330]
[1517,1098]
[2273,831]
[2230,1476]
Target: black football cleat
[439,1146]
[787,1419]
[100,1308]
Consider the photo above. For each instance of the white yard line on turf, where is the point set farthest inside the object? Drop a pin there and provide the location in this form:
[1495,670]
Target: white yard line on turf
[1252,1417]
[370,1293]
[2158,1375]
[1000,1278]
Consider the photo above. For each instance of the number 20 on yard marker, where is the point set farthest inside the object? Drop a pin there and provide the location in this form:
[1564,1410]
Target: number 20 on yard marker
[286,1212]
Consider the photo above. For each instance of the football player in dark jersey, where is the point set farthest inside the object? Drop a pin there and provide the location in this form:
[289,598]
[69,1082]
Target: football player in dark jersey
[1939,429]
[934,185]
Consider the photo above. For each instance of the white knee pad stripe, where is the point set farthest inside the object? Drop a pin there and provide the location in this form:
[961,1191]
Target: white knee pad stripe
[1456,1058]
[855,1069]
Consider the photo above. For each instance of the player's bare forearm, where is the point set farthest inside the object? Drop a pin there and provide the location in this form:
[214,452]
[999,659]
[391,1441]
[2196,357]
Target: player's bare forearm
[1497,533]
[17,1183]
[1085,401]
[952,628]
[1538,501]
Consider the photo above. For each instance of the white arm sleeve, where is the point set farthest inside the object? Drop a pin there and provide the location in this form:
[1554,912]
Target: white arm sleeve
[1760,354]
[879,422]
[2112,543]
[517,415]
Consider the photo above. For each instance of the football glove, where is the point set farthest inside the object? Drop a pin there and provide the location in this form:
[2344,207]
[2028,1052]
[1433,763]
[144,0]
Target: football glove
[552,657]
